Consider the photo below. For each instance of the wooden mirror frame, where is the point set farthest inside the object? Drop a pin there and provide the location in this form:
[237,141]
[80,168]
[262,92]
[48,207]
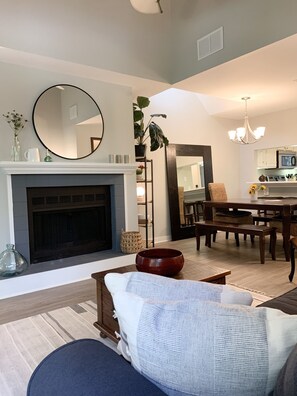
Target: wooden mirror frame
[173,150]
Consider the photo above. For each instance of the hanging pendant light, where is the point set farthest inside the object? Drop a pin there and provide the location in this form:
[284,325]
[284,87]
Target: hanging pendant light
[245,134]
[147,6]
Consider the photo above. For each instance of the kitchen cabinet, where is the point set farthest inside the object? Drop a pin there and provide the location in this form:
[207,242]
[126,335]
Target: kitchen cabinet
[266,159]
[145,201]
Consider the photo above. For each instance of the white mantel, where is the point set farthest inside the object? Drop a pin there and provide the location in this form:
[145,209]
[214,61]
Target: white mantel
[32,282]
[33,168]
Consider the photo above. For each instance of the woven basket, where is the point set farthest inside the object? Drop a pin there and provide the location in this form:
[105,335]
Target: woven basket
[131,242]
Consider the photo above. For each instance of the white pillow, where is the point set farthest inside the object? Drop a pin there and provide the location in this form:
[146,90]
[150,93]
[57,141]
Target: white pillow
[205,348]
[163,288]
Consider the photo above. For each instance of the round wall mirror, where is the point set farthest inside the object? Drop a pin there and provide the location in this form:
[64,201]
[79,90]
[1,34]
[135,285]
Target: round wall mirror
[68,121]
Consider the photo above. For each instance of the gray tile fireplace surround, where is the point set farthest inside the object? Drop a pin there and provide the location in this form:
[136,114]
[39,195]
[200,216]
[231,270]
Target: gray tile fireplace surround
[21,230]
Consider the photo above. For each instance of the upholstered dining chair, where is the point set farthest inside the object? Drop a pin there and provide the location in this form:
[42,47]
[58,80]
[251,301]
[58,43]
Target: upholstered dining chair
[217,192]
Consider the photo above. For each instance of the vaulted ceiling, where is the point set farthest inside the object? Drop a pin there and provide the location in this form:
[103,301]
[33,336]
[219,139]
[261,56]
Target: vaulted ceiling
[268,76]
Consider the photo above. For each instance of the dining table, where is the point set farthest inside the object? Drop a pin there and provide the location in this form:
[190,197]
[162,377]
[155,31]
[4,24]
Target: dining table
[285,207]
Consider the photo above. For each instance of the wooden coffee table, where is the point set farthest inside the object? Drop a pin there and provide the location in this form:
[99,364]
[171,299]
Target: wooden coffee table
[191,271]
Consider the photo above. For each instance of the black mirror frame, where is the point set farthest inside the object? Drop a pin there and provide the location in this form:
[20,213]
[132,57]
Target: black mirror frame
[171,151]
[37,134]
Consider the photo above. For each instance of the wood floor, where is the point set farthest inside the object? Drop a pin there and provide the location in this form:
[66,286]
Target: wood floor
[270,278]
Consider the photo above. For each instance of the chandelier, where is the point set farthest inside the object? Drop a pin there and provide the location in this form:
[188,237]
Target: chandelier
[147,6]
[245,134]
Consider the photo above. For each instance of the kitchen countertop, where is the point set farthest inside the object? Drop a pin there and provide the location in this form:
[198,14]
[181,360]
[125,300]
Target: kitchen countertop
[288,183]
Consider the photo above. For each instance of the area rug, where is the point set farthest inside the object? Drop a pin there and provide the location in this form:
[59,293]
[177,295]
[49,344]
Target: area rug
[258,296]
[24,343]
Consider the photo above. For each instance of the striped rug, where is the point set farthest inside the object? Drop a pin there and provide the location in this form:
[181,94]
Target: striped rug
[24,343]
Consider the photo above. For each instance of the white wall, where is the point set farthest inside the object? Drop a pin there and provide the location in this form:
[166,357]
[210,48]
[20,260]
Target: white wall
[187,122]
[21,86]
[235,165]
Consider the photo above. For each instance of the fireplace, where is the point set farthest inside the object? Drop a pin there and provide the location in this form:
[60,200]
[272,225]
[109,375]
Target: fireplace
[68,221]
[17,177]
[51,213]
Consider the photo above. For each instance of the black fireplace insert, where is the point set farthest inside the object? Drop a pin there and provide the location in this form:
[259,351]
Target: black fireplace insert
[68,221]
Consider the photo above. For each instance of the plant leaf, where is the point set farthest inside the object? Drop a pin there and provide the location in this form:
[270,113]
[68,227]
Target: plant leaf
[143,102]
[157,137]
[138,115]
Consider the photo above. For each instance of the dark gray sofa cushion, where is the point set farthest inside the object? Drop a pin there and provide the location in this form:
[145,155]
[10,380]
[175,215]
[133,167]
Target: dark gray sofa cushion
[87,367]
[286,384]
[287,302]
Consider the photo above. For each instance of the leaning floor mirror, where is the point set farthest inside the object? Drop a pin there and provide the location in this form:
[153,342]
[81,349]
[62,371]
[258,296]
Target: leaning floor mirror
[189,170]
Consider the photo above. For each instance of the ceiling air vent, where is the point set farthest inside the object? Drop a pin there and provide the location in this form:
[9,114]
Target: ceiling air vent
[210,43]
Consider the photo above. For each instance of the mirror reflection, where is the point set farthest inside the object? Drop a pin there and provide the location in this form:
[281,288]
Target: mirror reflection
[68,121]
[191,188]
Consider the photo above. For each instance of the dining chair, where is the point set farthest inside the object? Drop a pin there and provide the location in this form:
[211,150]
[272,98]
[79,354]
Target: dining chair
[277,223]
[217,192]
[293,246]
[264,216]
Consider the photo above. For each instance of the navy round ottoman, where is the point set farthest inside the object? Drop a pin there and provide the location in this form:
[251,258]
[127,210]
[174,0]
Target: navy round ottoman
[88,367]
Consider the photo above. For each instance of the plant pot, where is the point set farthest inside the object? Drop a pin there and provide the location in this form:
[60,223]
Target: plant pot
[140,150]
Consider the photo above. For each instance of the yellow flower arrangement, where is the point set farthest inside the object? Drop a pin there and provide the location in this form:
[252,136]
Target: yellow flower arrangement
[254,188]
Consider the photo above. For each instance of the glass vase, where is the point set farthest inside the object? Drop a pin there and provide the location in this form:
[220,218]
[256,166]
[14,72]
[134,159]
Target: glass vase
[12,262]
[16,149]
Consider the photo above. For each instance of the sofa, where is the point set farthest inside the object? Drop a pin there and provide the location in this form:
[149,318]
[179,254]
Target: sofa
[87,367]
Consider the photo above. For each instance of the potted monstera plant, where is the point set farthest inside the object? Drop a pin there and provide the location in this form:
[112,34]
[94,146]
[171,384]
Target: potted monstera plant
[144,131]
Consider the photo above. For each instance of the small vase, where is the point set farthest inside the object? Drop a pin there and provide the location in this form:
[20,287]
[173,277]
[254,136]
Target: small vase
[16,149]
[254,197]
[12,262]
